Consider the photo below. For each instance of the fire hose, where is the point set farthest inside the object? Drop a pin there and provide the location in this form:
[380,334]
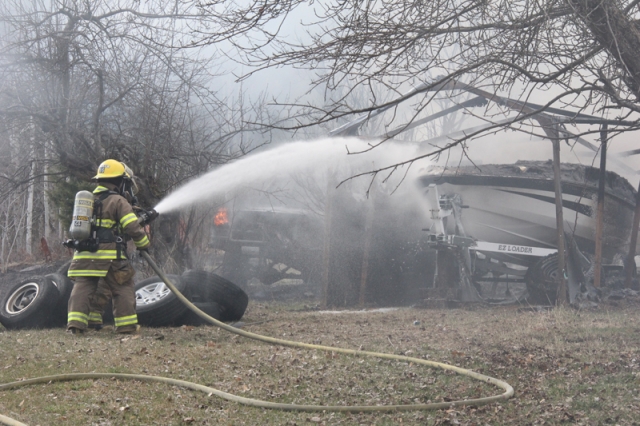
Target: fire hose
[508,390]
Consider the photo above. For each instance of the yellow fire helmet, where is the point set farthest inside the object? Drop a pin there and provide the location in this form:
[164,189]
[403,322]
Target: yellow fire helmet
[111,169]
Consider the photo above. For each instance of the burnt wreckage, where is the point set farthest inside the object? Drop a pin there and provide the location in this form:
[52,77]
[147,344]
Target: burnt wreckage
[269,245]
[524,222]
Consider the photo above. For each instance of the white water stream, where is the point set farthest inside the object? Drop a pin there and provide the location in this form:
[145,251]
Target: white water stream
[283,161]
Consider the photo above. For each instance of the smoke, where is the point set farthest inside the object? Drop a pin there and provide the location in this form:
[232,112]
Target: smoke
[364,228]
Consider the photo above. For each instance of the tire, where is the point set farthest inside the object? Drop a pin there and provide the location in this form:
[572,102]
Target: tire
[541,280]
[64,268]
[190,318]
[209,287]
[156,304]
[64,286]
[29,304]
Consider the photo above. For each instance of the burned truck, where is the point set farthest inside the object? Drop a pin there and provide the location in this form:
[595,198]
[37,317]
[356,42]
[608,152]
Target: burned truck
[359,251]
[268,245]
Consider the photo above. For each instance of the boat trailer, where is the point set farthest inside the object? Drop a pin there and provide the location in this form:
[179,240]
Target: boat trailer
[474,262]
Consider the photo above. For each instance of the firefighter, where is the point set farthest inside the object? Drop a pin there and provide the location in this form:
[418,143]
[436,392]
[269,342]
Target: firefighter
[115,221]
[102,295]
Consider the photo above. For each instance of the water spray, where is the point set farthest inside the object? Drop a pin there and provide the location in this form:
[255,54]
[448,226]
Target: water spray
[346,156]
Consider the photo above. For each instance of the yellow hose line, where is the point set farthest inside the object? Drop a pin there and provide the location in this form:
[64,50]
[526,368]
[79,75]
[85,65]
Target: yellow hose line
[9,421]
[508,390]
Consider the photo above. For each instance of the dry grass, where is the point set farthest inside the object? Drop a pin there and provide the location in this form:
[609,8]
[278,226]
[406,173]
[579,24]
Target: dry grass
[566,367]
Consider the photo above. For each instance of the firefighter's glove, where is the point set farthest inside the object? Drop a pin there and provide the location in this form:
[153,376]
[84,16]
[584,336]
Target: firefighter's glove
[141,252]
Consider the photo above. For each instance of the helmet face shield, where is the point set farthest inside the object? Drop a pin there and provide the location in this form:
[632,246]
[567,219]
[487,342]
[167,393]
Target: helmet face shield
[128,172]
[132,186]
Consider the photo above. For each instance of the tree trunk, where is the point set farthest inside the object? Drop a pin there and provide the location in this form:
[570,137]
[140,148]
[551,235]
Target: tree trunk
[615,32]
[29,225]
[45,196]
[60,226]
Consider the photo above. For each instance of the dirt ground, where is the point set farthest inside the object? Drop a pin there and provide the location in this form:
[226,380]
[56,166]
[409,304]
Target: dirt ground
[565,366]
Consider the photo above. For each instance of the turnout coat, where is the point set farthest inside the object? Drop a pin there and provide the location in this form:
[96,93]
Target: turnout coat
[116,221]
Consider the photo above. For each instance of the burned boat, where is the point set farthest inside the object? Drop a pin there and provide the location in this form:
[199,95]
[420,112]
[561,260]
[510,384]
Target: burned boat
[504,215]
[514,205]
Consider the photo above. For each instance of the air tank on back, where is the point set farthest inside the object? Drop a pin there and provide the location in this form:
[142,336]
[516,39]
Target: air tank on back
[80,228]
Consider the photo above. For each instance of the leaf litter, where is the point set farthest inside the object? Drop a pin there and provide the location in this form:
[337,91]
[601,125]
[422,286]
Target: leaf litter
[565,366]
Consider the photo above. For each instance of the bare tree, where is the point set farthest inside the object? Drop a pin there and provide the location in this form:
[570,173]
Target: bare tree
[581,54]
[104,79]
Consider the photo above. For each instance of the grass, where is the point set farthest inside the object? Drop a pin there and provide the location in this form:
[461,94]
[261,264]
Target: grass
[565,366]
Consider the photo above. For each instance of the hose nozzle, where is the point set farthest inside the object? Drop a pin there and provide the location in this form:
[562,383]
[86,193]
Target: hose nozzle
[147,216]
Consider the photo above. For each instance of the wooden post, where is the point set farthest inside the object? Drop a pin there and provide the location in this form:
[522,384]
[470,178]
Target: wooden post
[326,252]
[597,278]
[368,231]
[562,286]
[631,262]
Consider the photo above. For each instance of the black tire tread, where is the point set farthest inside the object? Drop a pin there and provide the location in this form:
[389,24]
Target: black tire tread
[64,286]
[210,287]
[64,269]
[541,281]
[190,318]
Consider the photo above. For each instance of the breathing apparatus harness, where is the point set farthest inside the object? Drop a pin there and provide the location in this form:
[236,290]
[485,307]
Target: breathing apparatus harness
[90,241]
[109,235]
[98,234]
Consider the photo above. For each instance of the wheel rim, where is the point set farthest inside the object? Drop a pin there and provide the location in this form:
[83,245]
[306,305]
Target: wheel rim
[151,293]
[22,298]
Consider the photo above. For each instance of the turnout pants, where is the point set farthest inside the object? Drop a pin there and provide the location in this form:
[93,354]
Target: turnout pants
[119,280]
[98,302]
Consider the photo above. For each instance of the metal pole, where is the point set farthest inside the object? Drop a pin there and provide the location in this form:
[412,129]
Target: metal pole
[597,274]
[631,263]
[562,287]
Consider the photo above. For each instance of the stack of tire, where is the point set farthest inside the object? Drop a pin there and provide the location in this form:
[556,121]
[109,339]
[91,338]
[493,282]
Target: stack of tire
[41,301]
[36,302]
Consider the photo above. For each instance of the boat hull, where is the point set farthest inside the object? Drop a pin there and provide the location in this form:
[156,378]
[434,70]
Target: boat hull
[521,210]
